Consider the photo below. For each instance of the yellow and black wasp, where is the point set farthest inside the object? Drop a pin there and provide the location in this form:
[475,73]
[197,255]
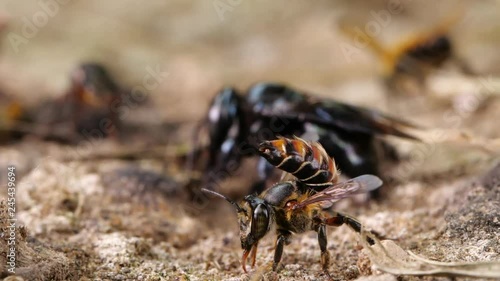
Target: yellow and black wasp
[297,206]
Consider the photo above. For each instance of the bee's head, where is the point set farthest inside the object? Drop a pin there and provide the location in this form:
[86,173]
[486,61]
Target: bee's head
[255,221]
[254,218]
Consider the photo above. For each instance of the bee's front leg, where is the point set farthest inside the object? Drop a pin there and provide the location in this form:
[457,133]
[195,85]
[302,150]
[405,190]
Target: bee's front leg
[283,239]
[325,255]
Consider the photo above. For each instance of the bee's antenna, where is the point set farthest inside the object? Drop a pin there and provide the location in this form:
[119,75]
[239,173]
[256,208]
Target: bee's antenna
[238,208]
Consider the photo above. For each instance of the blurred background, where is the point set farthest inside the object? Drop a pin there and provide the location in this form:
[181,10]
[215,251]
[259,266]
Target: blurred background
[205,45]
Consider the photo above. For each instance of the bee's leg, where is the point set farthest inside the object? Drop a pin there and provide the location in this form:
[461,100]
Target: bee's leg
[283,239]
[325,255]
[339,219]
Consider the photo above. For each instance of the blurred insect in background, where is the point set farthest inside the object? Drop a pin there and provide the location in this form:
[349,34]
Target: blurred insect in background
[296,206]
[93,94]
[86,110]
[11,112]
[236,124]
[87,107]
[415,57]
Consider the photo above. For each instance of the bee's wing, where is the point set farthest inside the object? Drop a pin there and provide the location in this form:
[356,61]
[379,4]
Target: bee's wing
[331,114]
[342,190]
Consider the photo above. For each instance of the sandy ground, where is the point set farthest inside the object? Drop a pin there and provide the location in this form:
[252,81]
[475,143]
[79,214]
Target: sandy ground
[111,219]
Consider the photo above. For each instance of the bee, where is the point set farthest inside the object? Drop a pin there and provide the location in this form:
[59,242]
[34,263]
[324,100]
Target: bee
[416,55]
[92,107]
[87,109]
[237,123]
[296,206]
[11,112]
[93,96]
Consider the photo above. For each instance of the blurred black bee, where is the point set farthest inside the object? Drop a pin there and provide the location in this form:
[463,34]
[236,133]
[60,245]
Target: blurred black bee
[237,123]
[93,94]
[88,109]
[296,206]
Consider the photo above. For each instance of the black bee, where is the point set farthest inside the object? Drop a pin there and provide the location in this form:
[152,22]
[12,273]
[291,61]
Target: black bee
[297,206]
[238,123]
[88,109]
[93,96]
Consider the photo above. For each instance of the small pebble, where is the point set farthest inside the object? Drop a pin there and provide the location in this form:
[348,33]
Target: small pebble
[292,267]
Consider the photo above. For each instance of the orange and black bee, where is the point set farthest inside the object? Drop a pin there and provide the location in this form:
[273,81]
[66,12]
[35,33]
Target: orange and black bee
[298,205]
[416,55]
[11,112]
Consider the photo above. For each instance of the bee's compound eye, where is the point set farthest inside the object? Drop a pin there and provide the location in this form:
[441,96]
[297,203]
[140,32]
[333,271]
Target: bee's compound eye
[260,221]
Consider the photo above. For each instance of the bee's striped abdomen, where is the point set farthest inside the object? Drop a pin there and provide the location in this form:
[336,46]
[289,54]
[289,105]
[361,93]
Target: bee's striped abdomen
[308,162]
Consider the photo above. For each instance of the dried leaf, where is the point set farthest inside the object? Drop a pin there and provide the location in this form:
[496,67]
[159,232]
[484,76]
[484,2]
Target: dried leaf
[389,257]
